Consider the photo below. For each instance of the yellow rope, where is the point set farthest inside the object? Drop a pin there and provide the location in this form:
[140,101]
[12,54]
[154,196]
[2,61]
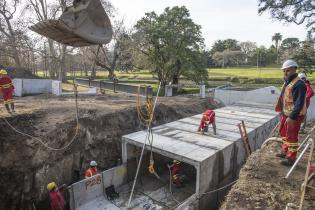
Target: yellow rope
[144,116]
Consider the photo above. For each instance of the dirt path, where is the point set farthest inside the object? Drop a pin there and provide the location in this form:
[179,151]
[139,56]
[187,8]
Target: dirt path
[261,183]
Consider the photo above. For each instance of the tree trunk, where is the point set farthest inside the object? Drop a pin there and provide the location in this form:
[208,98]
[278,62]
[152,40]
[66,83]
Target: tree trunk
[16,56]
[61,69]
[53,62]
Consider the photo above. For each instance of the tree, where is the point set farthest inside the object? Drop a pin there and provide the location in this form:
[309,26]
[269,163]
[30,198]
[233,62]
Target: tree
[289,47]
[305,56]
[277,37]
[227,44]
[7,12]
[248,48]
[173,45]
[229,58]
[119,53]
[291,11]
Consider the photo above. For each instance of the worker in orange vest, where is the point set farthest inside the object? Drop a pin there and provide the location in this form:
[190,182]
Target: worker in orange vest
[292,106]
[207,118]
[92,171]
[57,201]
[7,90]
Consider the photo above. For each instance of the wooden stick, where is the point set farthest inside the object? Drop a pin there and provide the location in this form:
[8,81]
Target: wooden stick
[307,171]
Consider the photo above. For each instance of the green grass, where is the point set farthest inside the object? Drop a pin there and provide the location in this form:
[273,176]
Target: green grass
[253,72]
[248,77]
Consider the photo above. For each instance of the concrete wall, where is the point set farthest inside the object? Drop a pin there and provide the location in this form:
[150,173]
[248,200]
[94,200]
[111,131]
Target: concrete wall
[93,188]
[32,86]
[267,95]
[36,86]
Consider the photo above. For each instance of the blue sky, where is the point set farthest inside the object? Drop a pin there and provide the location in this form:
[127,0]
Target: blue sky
[220,19]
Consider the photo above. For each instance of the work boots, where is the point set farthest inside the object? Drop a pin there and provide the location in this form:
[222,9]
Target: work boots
[287,162]
[12,107]
[281,155]
[8,108]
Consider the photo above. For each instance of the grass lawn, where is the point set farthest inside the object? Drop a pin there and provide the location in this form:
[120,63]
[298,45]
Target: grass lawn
[264,73]
[243,76]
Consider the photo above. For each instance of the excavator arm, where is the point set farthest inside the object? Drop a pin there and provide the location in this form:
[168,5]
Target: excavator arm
[83,24]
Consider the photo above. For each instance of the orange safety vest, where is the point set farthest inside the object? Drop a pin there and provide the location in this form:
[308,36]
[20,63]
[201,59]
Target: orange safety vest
[288,104]
[90,172]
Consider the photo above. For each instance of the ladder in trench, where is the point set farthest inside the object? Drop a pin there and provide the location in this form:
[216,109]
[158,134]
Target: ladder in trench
[244,136]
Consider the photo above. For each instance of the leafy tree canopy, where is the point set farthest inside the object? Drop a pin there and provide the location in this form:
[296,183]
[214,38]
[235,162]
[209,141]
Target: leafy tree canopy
[173,44]
[292,11]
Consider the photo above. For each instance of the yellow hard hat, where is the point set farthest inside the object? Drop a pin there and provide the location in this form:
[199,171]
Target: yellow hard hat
[2,71]
[51,186]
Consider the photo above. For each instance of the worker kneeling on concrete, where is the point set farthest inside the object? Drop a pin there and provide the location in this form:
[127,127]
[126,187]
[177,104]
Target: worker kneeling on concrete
[207,118]
[177,177]
[57,202]
[92,171]
[7,90]
[292,106]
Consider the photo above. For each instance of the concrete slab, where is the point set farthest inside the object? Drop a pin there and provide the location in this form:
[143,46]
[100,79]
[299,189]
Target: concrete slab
[215,157]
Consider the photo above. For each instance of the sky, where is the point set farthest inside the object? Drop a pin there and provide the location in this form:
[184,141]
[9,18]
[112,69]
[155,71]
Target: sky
[219,19]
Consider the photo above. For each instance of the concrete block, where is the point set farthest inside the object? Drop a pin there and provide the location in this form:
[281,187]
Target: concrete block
[18,87]
[202,91]
[168,91]
[92,90]
[56,87]
[37,86]
[116,176]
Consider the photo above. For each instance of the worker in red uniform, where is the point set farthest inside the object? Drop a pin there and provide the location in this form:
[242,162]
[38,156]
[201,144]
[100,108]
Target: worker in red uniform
[57,202]
[208,118]
[175,172]
[7,90]
[92,171]
[292,106]
[309,95]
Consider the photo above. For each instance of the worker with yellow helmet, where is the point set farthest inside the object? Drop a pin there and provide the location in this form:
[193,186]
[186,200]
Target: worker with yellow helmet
[57,202]
[7,90]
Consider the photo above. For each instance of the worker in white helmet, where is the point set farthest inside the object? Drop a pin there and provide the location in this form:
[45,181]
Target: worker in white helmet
[291,104]
[92,171]
[309,95]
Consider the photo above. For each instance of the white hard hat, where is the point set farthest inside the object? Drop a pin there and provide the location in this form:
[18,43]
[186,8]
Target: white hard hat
[288,64]
[93,163]
[302,75]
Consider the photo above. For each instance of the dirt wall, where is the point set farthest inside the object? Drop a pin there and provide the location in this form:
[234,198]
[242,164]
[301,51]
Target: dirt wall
[26,167]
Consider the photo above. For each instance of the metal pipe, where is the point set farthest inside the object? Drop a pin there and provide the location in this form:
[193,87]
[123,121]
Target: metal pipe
[303,142]
[297,160]
[307,137]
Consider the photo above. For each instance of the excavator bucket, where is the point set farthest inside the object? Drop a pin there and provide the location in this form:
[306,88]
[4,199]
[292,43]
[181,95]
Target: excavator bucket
[83,24]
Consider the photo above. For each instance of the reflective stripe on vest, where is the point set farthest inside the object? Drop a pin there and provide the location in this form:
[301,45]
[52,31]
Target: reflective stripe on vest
[6,86]
[288,104]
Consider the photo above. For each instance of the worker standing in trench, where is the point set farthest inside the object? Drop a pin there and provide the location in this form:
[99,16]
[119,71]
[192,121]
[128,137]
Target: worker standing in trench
[292,106]
[92,171]
[7,90]
[57,202]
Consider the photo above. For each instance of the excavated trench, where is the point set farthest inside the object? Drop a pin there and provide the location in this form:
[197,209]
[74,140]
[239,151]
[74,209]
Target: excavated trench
[26,166]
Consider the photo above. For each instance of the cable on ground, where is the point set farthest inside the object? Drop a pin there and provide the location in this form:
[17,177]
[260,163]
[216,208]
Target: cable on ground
[40,140]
